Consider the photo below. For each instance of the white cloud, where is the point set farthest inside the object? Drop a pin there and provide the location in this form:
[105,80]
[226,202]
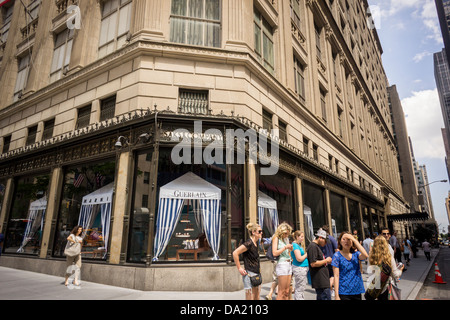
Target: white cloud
[420,56]
[424,123]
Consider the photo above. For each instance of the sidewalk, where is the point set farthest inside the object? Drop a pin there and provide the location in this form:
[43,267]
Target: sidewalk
[24,285]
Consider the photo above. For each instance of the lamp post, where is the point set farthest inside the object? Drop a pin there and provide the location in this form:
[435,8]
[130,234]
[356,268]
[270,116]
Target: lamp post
[436,230]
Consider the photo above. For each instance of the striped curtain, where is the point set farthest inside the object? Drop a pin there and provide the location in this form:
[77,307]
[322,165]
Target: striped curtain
[169,211]
[261,211]
[211,212]
[35,222]
[273,222]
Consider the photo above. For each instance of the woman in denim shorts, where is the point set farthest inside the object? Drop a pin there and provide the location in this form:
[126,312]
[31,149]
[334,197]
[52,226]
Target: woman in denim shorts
[250,254]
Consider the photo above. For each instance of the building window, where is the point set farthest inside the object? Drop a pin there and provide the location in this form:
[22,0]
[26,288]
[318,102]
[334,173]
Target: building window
[84,117]
[196,22]
[264,41]
[318,41]
[4,29]
[306,146]
[61,54]
[193,101]
[48,129]
[282,130]
[340,123]
[299,71]
[116,17]
[267,121]
[323,104]
[295,12]
[31,137]
[107,108]
[22,76]
[315,152]
[6,143]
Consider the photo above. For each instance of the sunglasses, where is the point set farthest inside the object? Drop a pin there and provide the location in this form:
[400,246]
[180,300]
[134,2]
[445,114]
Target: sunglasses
[385,233]
[259,231]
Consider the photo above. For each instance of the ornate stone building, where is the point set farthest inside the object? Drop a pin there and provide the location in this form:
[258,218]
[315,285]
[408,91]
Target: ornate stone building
[93,94]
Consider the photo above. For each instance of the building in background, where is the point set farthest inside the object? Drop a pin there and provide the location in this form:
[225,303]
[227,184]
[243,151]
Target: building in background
[94,94]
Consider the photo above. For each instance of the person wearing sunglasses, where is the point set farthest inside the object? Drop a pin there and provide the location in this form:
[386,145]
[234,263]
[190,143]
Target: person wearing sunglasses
[281,247]
[250,254]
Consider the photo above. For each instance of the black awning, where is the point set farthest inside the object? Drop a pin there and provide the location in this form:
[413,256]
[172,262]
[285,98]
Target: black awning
[408,216]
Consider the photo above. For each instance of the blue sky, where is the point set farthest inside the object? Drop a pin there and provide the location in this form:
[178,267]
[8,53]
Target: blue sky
[409,33]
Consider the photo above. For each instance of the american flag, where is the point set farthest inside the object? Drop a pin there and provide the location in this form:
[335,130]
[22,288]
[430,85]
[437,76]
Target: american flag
[99,179]
[79,177]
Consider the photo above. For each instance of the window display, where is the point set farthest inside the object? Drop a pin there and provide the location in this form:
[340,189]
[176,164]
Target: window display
[27,217]
[338,217]
[87,200]
[313,209]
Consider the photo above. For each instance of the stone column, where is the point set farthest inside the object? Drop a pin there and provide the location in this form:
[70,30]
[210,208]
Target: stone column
[252,194]
[120,207]
[151,19]
[51,213]
[237,25]
[299,192]
[6,205]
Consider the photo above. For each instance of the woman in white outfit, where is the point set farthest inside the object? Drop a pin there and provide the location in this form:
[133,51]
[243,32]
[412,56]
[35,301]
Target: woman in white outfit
[281,248]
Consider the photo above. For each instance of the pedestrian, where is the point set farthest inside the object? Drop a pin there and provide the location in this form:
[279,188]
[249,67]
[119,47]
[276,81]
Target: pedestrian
[426,246]
[281,248]
[300,265]
[414,247]
[74,240]
[320,279]
[407,250]
[250,254]
[381,257]
[395,244]
[348,282]
[328,250]
[367,244]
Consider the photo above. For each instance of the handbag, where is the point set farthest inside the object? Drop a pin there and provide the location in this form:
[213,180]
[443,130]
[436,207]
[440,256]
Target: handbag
[384,278]
[395,293]
[72,249]
[256,280]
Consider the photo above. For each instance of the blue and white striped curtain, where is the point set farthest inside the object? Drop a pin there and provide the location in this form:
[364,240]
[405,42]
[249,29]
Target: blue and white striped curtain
[261,211]
[211,212]
[169,211]
[35,220]
[273,222]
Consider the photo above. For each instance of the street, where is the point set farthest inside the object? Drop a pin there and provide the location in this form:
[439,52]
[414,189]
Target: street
[436,291]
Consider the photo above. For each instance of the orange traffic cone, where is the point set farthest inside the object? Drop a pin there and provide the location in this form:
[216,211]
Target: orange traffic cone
[437,275]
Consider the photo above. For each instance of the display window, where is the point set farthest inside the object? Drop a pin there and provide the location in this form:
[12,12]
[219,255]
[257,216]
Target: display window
[87,200]
[27,215]
[190,223]
[355,220]
[275,203]
[313,210]
[338,216]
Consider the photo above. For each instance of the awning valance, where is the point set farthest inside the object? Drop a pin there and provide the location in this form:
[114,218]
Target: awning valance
[408,216]
[190,186]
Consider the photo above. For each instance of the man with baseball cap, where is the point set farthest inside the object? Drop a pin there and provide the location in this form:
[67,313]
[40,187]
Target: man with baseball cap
[320,280]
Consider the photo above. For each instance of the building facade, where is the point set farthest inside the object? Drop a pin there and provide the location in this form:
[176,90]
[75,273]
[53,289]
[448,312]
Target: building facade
[97,95]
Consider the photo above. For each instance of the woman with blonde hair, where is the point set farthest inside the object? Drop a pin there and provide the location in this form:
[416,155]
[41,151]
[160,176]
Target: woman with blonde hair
[250,253]
[382,260]
[281,248]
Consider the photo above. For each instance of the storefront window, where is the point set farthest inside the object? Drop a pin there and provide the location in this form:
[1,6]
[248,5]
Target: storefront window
[190,222]
[237,206]
[367,221]
[86,201]
[313,210]
[355,221]
[27,216]
[338,216]
[138,242]
[275,202]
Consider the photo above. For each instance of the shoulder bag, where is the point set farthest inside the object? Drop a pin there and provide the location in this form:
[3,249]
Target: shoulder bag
[72,249]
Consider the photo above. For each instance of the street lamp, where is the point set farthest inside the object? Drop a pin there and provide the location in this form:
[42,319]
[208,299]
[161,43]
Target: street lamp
[433,182]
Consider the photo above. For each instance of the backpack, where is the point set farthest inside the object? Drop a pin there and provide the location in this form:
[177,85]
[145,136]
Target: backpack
[269,254]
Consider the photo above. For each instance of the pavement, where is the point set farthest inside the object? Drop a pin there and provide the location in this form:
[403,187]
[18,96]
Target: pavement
[24,285]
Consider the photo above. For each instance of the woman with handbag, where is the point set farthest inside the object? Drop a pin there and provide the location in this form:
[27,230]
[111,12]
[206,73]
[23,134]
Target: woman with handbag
[281,247]
[251,273]
[382,261]
[73,254]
